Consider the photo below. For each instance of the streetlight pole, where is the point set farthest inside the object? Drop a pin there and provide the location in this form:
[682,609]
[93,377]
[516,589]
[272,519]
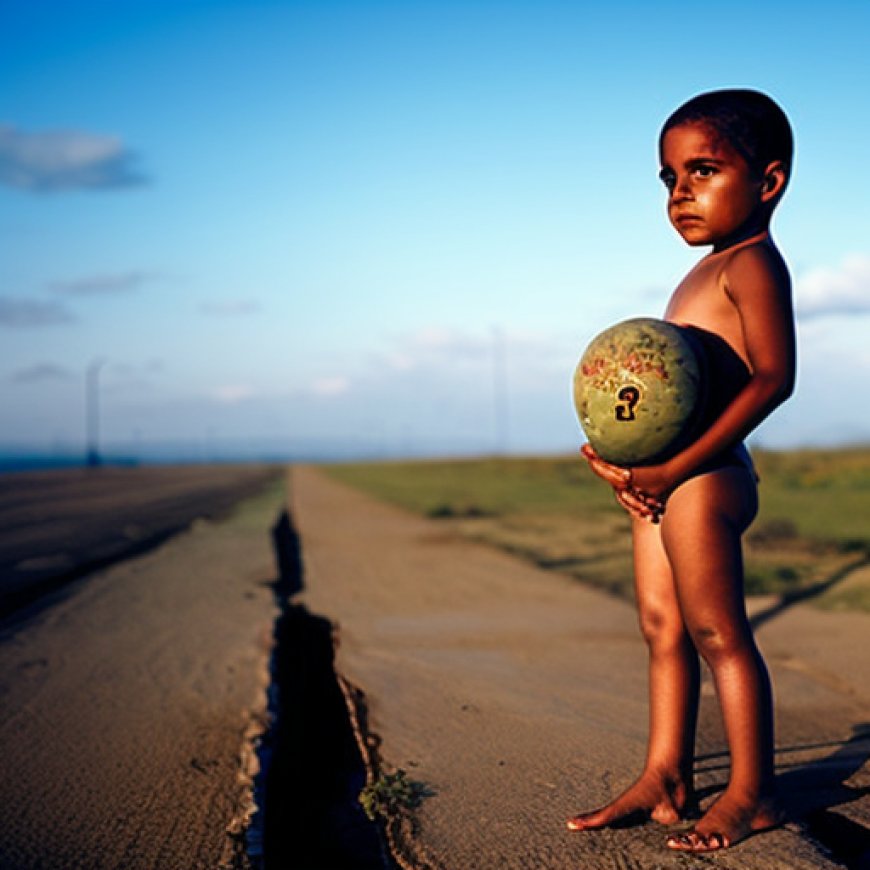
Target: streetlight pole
[92,412]
[500,389]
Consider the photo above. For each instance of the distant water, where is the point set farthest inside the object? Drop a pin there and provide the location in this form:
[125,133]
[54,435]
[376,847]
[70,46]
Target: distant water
[15,458]
[17,462]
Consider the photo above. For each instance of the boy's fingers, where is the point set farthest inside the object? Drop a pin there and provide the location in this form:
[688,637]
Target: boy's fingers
[651,501]
[639,505]
[589,452]
[613,474]
[633,500]
[632,503]
[625,500]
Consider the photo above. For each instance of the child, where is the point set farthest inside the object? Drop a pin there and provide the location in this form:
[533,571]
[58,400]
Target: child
[725,161]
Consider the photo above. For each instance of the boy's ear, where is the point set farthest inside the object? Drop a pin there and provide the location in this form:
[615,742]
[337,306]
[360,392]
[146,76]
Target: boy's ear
[774,179]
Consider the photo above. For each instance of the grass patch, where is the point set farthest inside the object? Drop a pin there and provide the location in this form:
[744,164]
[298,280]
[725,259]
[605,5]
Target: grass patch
[554,512]
[491,486]
[391,794]
[855,598]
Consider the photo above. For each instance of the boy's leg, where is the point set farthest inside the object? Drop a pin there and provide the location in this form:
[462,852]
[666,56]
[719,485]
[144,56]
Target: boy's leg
[701,531]
[674,674]
[664,787]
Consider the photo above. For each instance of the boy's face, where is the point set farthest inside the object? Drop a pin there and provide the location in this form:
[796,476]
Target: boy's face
[714,197]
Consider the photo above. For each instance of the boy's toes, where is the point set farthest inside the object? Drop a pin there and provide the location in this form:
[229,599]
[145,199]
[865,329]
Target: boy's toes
[695,841]
[584,821]
[579,823]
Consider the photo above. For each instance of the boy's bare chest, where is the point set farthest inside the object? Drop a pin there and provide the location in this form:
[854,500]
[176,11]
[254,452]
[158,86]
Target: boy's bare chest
[700,296]
[701,300]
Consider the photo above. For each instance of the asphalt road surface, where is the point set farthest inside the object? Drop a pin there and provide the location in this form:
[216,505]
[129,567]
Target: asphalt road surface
[56,526]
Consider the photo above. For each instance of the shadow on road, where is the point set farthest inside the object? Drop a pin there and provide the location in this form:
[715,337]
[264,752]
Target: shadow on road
[799,596]
[811,790]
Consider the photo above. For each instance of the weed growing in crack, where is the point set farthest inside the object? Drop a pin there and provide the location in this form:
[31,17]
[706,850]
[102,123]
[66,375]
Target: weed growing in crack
[391,793]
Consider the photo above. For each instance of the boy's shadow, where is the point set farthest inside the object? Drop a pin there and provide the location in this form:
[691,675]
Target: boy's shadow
[809,790]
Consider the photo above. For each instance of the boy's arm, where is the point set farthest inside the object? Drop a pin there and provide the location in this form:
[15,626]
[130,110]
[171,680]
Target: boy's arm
[757,282]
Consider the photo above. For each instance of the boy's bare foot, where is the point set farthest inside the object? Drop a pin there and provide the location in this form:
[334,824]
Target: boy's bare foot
[725,824]
[651,797]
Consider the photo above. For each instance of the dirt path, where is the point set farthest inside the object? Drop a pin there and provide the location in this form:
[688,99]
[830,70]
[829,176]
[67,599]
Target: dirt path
[517,696]
[127,708]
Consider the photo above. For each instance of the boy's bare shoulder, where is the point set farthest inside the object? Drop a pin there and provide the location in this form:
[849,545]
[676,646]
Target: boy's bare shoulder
[754,268]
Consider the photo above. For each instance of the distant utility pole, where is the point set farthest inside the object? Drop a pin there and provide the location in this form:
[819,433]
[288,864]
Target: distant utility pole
[92,412]
[500,389]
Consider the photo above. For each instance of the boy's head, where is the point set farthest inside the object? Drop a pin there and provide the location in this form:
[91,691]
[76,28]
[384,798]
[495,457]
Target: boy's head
[749,121]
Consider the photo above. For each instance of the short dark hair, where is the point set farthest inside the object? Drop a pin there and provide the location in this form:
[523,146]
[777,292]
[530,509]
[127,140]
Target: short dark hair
[751,122]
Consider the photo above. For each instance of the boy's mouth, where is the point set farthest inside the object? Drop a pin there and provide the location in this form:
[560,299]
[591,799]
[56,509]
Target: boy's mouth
[684,219]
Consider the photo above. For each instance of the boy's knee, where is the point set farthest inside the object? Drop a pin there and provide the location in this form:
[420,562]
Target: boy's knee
[661,630]
[714,642]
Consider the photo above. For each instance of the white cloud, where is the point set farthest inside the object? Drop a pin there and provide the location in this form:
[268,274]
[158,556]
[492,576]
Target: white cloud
[55,160]
[231,394]
[444,354]
[398,360]
[332,386]
[844,289]
[437,338]
[230,307]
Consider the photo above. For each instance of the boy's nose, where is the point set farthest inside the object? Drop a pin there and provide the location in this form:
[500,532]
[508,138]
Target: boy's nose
[682,189]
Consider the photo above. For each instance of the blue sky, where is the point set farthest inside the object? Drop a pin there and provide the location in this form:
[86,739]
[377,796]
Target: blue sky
[390,225]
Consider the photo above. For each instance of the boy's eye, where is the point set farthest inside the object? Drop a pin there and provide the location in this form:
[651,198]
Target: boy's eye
[668,178]
[705,171]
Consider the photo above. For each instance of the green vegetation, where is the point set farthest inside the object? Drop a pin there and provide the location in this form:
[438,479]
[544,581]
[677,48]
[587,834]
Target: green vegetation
[811,533]
[391,793]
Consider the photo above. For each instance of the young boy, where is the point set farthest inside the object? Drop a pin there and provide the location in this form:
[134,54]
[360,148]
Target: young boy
[725,161]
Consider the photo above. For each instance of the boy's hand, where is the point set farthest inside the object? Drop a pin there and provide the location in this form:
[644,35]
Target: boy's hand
[638,505]
[653,481]
[633,498]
